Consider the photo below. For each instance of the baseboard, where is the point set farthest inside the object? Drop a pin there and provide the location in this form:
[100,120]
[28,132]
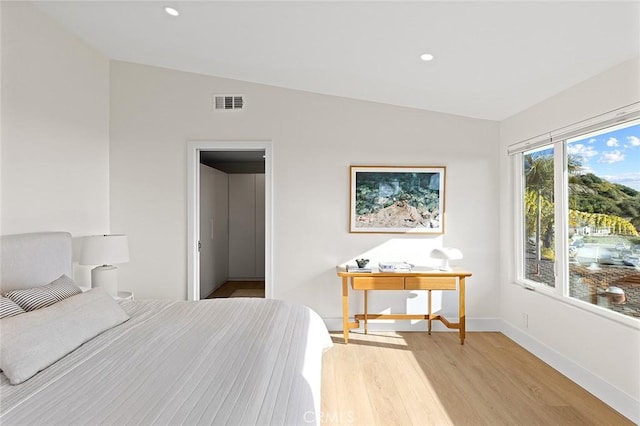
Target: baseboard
[615,398]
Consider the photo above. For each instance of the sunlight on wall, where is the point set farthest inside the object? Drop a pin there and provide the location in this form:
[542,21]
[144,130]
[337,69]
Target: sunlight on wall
[411,250]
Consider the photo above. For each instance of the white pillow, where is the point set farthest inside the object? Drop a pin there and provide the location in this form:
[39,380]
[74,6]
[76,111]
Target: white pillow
[9,308]
[34,298]
[34,340]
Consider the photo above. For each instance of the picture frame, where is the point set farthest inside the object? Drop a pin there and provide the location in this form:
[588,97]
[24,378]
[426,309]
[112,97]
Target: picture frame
[397,199]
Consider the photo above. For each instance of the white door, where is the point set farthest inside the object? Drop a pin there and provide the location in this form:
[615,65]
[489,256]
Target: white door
[214,235]
[246,226]
[260,228]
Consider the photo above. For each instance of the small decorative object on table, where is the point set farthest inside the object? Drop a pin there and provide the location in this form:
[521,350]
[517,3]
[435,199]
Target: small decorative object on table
[360,267]
[362,262]
[394,266]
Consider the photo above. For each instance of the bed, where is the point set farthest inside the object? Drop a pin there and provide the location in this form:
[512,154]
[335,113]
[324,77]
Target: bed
[236,361]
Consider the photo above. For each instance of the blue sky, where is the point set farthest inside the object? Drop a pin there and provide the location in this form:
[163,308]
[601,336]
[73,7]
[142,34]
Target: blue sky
[614,155]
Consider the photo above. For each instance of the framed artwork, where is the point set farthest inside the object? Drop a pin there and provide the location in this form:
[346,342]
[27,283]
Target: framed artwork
[397,199]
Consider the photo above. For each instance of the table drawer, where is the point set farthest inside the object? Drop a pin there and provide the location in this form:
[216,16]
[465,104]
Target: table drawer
[430,283]
[378,283]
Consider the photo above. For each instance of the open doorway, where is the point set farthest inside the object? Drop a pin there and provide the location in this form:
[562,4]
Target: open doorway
[229,238]
[232,217]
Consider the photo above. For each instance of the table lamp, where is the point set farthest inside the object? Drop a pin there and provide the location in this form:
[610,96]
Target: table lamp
[446,254]
[105,250]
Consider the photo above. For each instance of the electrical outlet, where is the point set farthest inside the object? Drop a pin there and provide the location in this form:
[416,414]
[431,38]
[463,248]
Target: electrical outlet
[525,320]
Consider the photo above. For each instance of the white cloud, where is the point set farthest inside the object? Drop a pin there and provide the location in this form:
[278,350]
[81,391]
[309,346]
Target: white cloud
[611,157]
[584,170]
[634,140]
[612,142]
[581,150]
[593,140]
[631,180]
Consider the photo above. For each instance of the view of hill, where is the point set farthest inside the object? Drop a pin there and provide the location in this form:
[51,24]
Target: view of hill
[591,194]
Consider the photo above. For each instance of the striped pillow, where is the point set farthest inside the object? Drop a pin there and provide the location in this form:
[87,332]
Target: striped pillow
[34,298]
[8,308]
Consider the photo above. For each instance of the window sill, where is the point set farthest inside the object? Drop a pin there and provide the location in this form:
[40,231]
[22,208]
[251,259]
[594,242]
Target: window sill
[594,309]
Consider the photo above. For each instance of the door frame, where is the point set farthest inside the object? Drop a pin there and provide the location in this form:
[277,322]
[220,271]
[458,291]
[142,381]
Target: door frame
[193,207]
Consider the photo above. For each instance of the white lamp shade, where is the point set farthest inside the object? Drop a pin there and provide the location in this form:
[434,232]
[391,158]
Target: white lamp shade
[105,250]
[448,253]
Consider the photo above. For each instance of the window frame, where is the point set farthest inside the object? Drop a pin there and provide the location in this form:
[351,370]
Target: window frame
[560,291]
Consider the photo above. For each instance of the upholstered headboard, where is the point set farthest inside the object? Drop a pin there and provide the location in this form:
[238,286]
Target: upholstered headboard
[30,260]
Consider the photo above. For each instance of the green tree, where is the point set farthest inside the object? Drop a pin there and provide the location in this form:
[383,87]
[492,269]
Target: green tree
[538,170]
[591,194]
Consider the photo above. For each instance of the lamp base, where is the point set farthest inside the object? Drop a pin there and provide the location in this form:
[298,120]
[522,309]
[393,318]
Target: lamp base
[445,265]
[105,276]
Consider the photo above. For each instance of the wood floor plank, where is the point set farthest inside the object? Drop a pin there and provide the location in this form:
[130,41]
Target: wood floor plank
[227,289]
[417,393]
[329,401]
[353,402]
[417,379]
[489,384]
[381,387]
[448,365]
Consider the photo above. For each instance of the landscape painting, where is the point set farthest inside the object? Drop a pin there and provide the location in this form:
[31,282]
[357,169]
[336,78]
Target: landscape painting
[397,199]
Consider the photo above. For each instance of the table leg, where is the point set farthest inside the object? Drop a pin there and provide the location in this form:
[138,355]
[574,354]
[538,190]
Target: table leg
[366,304]
[462,314]
[429,311]
[345,309]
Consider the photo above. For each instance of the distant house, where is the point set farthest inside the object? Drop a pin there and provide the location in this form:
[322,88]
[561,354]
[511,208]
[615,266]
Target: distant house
[593,230]
[590,230]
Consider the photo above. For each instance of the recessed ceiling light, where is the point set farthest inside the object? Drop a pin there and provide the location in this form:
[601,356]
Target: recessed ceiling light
[426,57]
[171,11]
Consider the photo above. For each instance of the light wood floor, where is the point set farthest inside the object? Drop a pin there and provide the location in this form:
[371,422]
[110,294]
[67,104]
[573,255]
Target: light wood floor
[416,379]
[227,289]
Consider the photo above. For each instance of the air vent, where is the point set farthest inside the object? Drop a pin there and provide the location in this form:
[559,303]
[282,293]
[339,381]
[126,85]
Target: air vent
[228,102]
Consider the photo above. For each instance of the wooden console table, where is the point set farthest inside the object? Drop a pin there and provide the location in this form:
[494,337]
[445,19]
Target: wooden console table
[415,280]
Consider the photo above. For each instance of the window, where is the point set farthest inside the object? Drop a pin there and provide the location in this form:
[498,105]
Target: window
[539,216]
[579,216]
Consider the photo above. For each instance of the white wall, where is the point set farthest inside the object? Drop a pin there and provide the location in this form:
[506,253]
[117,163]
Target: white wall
[600,354]
[55,129]
[154,112]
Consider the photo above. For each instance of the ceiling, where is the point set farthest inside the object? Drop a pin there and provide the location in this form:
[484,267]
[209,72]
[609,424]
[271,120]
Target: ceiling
[492,59]
[234,161]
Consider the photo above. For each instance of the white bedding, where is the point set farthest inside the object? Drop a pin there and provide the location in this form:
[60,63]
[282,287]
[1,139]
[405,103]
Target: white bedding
[236,361]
